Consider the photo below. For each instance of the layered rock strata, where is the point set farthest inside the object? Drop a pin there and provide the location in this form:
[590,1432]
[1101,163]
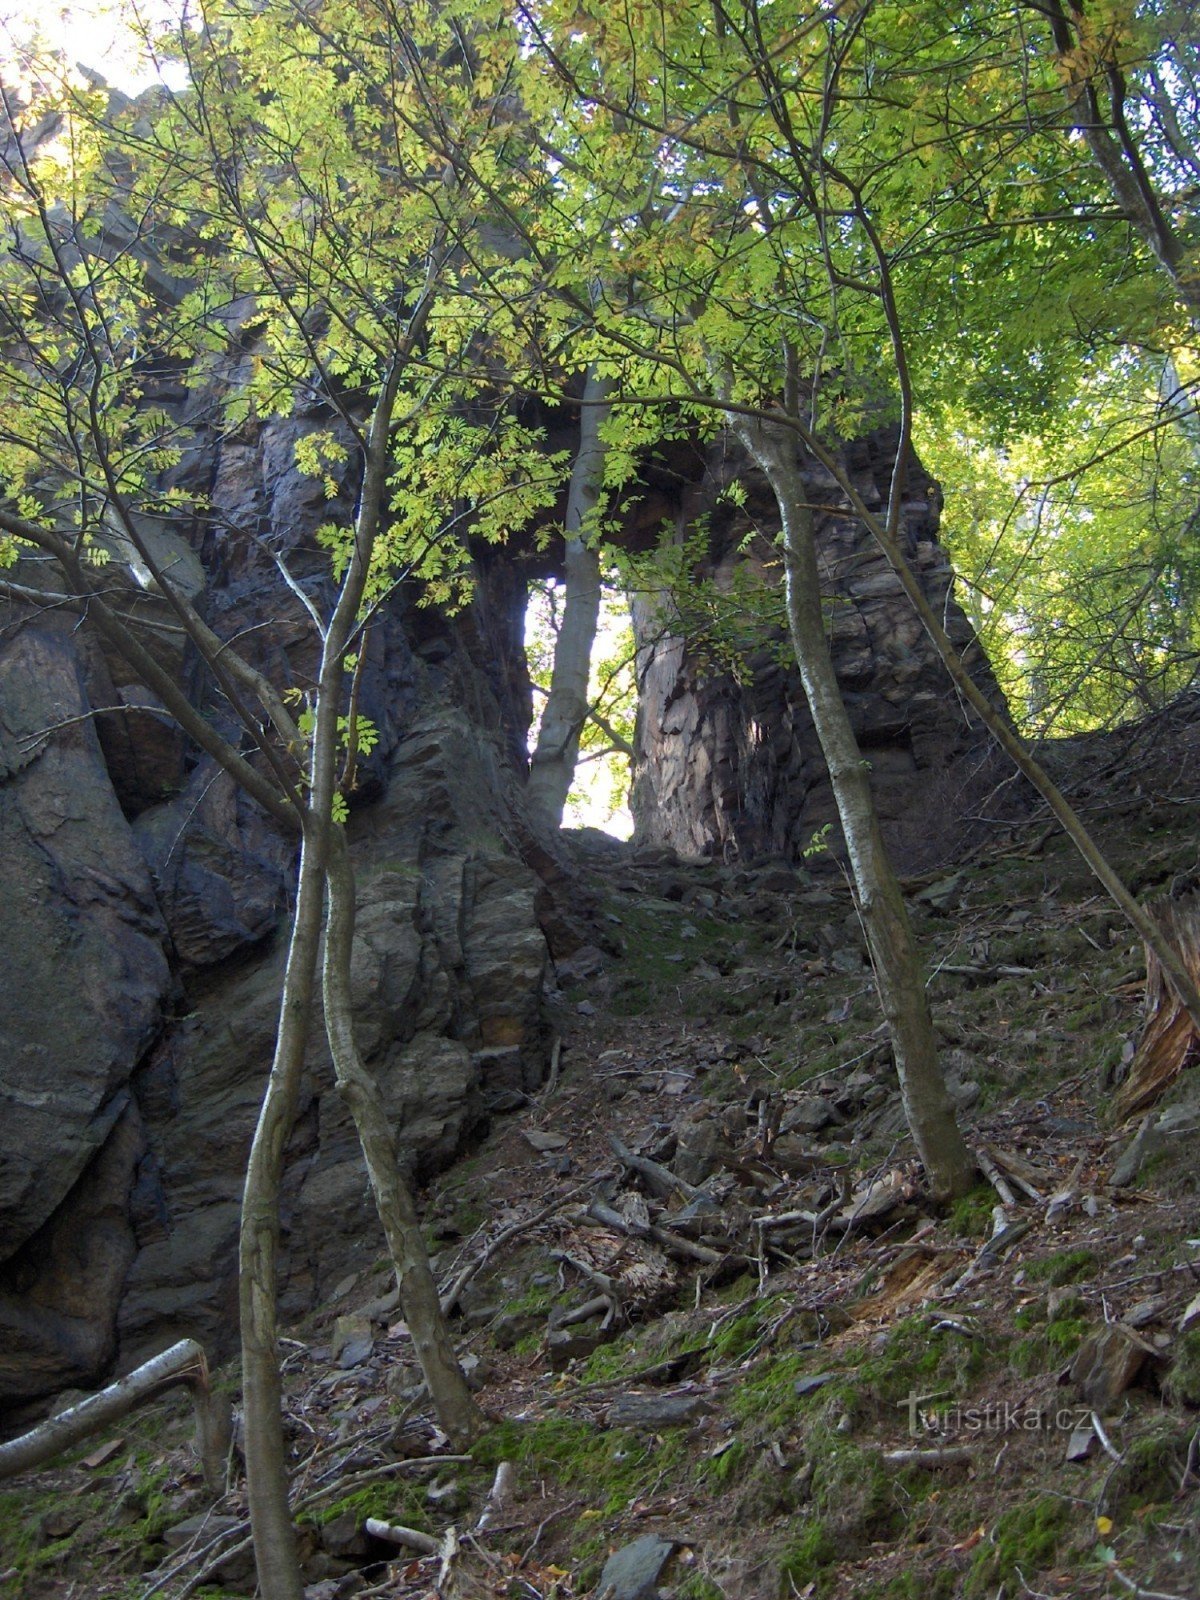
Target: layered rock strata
[144,908]
[727,760]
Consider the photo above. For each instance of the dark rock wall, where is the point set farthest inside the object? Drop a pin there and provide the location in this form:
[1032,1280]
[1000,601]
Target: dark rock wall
[729,764]
[143,917]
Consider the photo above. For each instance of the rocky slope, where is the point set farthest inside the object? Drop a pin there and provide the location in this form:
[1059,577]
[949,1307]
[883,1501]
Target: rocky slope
[721,1332]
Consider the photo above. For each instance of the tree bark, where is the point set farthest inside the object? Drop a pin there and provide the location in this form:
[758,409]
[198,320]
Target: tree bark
[894,956]
[184,1362]
[552,767]
[1110,140]
[262,1392]
[452,1399]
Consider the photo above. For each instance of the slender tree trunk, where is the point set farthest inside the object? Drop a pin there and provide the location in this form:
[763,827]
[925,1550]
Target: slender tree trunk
[266,1463]
[456,1409]
[552,768]
[1112,142]
[894,955]
[262,1393]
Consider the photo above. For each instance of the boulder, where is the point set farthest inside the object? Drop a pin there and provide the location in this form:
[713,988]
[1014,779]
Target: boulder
[633,1571]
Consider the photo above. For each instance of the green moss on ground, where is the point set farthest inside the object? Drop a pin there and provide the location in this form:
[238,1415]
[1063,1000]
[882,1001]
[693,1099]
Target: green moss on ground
[1026,1540]
[1067,1266]
[1182,1386]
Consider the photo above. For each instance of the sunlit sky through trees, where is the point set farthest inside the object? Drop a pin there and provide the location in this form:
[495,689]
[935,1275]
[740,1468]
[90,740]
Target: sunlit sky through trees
[105,36]
[114,38]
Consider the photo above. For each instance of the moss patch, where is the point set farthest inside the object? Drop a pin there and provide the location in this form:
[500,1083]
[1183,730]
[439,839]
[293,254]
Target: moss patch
[1068,1266]
[1026,1540]
[1182,1385]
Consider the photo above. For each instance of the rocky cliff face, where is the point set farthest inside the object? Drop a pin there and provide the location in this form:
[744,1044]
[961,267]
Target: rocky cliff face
[143,910]
[728,763]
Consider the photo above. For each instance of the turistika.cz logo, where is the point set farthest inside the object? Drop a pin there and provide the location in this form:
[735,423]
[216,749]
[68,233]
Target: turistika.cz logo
[988,1416]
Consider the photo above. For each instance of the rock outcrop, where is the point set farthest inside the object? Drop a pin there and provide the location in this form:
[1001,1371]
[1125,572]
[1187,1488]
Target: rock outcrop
[143,916]
[728,763]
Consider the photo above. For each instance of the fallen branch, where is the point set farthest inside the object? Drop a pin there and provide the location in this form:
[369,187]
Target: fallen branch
[217,1552]
[1110,1448]
[927,1458]
[994,1176]
[973,971]
[610,1295]
[1020,1173]
[499,1494]
[552,1076]
[450,1298]
[410,1538]
[449,1550]
[213,1557]
[184,1362]
[998,1245]
[1136,1589]
[589,1309]
[604,1214]
[664,1182]
[1062,1202]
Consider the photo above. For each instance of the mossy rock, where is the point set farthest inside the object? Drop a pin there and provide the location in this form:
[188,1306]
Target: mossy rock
[1150,1473]
[972,1215]
[807,1559]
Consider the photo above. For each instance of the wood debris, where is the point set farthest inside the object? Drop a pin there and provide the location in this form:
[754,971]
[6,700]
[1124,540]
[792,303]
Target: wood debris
[1169,1041]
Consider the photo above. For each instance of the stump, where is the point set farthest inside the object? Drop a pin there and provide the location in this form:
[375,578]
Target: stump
[1170,1040]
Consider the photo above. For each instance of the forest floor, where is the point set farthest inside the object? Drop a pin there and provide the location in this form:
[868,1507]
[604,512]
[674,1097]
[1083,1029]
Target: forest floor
[717,1324]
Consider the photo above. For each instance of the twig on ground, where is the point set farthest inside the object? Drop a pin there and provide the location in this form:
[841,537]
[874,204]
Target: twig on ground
[450,1296]
[953,1457]
[994,1176]
[1136,1589]
[552,1076]
[1110,1448]
[498,1495]
[1192,1463]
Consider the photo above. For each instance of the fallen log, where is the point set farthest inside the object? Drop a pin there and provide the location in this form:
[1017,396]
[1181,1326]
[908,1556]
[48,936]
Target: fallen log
[184,1362]
[409,1538]
[662,1180]
[605,1215]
